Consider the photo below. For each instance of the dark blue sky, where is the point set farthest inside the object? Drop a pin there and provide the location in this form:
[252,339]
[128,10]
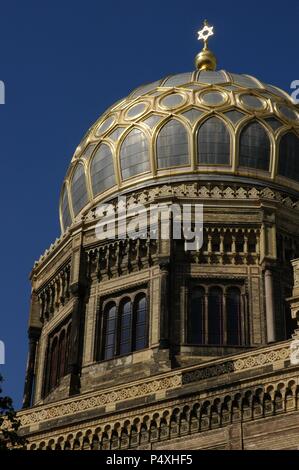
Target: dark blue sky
[63,63]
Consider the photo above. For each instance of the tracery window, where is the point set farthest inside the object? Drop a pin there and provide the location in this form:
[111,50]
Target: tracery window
[124,326]
[216,315]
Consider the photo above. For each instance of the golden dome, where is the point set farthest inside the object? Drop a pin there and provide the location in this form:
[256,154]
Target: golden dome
[201,125]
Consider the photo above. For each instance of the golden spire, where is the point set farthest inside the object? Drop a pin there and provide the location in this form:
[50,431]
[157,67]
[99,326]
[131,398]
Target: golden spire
[205,60]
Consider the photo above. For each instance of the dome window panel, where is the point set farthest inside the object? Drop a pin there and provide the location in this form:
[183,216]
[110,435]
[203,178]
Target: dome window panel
[192,114]
[234,116]
[178,79]
[134,154]
[172,101]
[105,126]
[65,210]
[211,77]
[172,145]
[213,143]
[79,189]
[213,98]
[152,120]
[136,110]
[288,156]
[252,102]
[244,81]
[288,113]
[254,147]
[145,89]
[102,170]
[273,123]
[118,131]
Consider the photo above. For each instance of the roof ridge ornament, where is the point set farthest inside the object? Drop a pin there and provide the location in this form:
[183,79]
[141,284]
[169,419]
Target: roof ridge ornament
[205,59]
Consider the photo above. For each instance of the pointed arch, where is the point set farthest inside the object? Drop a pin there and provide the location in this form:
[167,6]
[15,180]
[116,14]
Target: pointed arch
[172,147]
[134,154]
[288,156]
[102,170]
[254,147]
[213,142]
[79,189]
[65,209]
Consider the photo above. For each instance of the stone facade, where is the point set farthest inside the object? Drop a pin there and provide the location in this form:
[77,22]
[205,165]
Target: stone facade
[243,396]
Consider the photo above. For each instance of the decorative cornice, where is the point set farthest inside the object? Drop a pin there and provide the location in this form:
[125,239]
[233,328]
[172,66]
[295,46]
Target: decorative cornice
[162,382]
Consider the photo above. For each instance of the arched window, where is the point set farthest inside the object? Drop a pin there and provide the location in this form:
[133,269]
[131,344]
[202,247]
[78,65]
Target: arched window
[65,210]
[213,142]
[172,145]
[215,316]
[61,354]
[288,156]
[233,316]
[125,343]
[254,149]
[102,170]
[53,363]
[196,319]
[110,331]
[140,337]
[79,190]
[134,154]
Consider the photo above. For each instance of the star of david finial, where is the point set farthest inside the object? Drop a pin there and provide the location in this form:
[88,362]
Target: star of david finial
[205,33]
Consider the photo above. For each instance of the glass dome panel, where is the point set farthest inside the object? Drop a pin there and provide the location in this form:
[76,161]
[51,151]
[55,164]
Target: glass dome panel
[145,89]
[192,114]
[178,79]
[134,154]
[252,102]
[105,126]
[234,116]
[172,101]
[288,156]
[152,120]
[65,210]
[211,77]
[213,142]
[172,145]
[254,151]
[136,110]
[78,189]
[288,112]
[102,170]
[244,81]
[273,122]
[212,98]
